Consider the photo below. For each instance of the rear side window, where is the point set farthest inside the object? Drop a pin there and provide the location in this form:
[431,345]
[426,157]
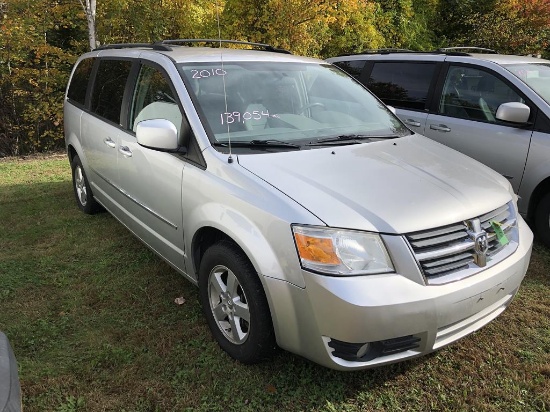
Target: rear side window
[79,81]
[402,84]
[109,86]
[353,67]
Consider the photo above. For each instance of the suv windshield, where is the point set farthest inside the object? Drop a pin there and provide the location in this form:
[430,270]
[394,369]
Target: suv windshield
[270,103]
[535,75]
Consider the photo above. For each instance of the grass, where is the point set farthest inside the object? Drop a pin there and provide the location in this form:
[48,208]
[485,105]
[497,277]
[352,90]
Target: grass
[91,316]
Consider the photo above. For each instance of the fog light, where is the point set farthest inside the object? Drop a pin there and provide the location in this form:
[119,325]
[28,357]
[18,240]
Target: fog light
[367,351]
[363,350]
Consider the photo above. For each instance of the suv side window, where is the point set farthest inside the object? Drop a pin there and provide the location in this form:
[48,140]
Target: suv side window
[402,84]
[353,67]
[79,82]
[109,86]
[153,99]
[474,94]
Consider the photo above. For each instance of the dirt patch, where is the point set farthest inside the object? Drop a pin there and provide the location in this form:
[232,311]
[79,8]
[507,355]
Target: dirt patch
[34,156]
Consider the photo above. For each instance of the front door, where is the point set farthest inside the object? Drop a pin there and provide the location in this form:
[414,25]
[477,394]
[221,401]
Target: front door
[466,121]
[151,179]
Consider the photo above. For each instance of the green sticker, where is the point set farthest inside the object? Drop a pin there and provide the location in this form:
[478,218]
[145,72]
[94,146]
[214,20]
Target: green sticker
[501,236]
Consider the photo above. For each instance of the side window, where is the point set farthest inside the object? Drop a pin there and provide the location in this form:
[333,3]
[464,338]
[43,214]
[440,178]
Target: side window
[153,99]
[474,94]
[353,67]
[402,84]
[79,81]
[109,86]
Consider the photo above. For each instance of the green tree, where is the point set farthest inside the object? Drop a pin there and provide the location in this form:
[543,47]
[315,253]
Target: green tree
[314,28]
[353,28]
[154,20]
[34,68]
[406,23]
[454,20]
[512,26]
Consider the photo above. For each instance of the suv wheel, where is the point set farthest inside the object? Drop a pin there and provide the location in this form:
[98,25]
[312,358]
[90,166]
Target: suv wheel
[82,192]
[234,304]
[542,220]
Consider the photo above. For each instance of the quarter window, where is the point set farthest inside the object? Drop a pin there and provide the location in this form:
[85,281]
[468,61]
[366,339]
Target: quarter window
[109,88]
[402,84]
[79,81]
[353,67]
[474,94]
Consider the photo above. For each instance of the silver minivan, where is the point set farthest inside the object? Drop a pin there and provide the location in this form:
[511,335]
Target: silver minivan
[307,214]
[492,107]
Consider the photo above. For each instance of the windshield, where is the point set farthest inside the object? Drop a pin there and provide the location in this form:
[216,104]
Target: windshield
[282,103]
[535,75]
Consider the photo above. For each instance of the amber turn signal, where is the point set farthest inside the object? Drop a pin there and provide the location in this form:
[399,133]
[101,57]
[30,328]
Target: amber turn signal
[319,250]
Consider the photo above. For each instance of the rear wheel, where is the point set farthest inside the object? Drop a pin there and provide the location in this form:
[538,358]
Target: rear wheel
[234,303]
[542,220]
[82,191]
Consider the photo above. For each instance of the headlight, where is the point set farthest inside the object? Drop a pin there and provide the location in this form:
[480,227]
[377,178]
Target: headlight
[341,252]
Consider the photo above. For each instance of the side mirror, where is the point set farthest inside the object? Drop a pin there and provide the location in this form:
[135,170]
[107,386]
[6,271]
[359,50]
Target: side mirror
[513,112]
[392,109]
[159,134]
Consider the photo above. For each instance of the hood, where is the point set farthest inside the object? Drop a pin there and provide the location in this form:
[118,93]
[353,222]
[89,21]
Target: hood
[392,186]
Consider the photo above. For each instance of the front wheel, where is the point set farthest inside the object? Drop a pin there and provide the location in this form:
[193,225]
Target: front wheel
[234,303]
[542,220]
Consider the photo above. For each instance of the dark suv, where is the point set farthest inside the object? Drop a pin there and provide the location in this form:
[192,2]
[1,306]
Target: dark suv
[492,107]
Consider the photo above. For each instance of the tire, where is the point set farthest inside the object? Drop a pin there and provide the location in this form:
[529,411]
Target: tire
[542,220]
[82,192]
[234,303]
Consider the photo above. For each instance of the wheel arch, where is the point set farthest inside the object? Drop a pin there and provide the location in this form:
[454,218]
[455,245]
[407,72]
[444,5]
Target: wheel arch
[205,237]
[542,189]
[254,246]
[71,153]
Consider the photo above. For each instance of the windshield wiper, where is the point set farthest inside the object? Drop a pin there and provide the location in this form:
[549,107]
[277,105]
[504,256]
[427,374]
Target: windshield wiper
[349,139]
[259,143]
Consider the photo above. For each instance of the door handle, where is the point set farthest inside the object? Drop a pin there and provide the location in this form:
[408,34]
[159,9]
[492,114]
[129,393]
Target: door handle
[440,127]
[412,122]
[109,142]
[125,150]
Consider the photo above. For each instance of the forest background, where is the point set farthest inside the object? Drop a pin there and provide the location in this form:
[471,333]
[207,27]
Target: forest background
[41,39]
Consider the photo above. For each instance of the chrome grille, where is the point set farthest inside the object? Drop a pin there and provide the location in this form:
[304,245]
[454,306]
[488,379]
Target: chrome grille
[447,253]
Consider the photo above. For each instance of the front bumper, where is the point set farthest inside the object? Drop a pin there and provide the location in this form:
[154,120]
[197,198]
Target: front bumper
[352,311]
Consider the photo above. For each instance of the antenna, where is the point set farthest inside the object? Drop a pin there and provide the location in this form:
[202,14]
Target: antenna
[230,158]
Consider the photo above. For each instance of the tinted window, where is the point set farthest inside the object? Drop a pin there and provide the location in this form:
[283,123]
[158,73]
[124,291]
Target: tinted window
[474,94]
[109,88]
[79,81]
[402,84]
[353,67]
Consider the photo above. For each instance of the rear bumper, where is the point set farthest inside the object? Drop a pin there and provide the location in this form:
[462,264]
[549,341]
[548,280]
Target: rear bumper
[332,313]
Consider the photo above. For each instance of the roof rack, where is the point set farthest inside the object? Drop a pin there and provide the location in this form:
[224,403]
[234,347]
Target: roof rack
[387,50]
[454,51]
[154,46]
[164,45]
[463,51]
[262,46]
